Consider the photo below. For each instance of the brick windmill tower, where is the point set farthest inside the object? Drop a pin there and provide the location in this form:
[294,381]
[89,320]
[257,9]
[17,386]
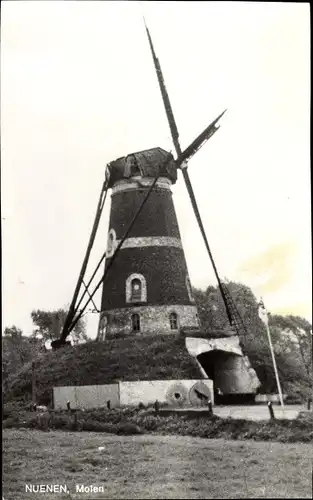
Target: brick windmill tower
[149,290]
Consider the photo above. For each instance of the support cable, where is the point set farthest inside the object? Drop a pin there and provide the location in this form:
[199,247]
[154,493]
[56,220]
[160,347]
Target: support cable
[232,312]
[201,227]
[89,283]
[100,206]
[118,248]
[93,303]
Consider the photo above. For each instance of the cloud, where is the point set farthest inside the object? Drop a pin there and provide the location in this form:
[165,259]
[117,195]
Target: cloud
[270,270]
[303,309]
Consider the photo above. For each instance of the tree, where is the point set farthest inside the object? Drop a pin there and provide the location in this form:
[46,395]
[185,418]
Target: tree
[17,349]
[291,337]
[13,332]
[296,339]
[50,324]
[212,311]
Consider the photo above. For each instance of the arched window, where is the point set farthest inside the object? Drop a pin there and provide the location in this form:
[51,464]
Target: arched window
[136,288]
[174,321]
[135,323]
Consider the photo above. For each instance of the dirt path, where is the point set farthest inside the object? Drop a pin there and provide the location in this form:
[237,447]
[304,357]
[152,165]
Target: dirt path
[258,412]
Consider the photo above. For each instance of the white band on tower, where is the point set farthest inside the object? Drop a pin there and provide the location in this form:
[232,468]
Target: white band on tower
[148,241]
[139,182]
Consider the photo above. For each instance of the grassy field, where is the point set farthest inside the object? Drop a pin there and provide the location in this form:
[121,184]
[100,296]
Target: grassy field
[153,466]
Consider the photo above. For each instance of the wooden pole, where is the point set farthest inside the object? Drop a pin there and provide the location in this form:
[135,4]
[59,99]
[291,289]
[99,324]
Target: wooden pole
[275,367]
[271,410]
[33,382]
[210,408]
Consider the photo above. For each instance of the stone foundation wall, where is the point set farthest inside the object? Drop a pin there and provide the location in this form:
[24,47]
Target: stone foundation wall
[153,320]
[172,392]
[175,393]
[86,396]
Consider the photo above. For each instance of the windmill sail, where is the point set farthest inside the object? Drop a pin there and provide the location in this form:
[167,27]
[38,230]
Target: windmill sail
[200,140]
[182,158]
[165,97]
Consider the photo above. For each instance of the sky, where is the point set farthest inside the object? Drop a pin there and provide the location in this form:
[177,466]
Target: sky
[78,90]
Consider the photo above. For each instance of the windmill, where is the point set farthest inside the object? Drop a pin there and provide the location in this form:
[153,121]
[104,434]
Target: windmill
[138,178]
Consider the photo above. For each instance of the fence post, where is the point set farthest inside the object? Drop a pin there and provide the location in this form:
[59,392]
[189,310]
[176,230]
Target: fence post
[75,420]
[33,383]
[271,410]
[52,419]
[309,403]
[210,407]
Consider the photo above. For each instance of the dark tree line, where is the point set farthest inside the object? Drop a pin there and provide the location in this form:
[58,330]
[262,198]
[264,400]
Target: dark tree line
[18,349]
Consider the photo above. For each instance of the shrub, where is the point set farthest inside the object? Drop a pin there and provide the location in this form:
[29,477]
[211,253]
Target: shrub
[131,421]
[14,408]
[31,423]
[95,426]
[305,417]
[10,422]
[122,428]
[128,429]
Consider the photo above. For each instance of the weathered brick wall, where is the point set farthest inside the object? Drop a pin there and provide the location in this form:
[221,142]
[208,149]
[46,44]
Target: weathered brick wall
[158,217]
[153,319]
[164,269]
[172,392]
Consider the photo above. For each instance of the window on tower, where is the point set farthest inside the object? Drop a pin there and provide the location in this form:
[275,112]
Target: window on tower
[136,288]
[135,323]
[197,319]
[174,321]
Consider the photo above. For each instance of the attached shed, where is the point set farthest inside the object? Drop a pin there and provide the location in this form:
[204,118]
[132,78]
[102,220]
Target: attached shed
[224,362]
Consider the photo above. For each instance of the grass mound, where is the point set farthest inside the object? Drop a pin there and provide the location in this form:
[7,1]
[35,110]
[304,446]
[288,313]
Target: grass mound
[146,358]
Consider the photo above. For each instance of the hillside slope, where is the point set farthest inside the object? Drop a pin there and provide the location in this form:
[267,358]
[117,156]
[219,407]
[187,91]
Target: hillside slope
[155,358]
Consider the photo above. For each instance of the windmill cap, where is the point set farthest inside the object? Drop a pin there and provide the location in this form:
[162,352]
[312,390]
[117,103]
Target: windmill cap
[155,162]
